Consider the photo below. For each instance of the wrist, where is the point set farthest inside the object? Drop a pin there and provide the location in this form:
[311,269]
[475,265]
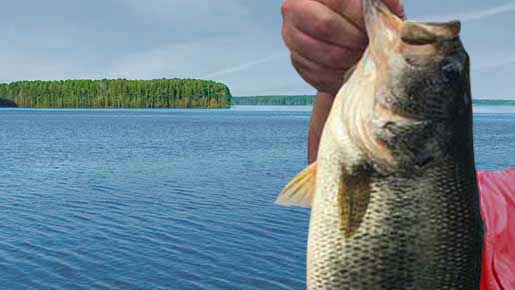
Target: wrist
[321,109]
[322,106]
[324,99]
[325,95]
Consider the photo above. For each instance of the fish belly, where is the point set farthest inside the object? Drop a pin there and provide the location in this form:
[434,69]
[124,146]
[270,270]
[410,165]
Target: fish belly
[422,233]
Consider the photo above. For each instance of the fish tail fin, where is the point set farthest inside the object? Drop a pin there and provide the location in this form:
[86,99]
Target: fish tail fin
[300,190]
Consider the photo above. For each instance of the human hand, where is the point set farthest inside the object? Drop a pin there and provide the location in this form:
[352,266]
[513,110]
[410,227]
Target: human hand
[326,38]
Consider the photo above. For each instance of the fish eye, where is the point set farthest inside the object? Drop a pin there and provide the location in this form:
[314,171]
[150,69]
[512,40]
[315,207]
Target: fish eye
[450,71]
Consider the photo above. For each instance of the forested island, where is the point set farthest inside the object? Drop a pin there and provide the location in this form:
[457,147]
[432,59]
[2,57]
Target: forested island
[120,93]
[274,100]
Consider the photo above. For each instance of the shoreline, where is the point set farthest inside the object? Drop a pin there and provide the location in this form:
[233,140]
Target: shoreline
[478,109]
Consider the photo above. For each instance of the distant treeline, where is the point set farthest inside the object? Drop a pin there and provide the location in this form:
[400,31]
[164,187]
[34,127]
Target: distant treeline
[120,93]
[494,102]
[309,100]
[274,100]
[7,103]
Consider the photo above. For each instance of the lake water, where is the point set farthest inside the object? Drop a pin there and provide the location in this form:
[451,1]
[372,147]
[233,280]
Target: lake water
[165,199]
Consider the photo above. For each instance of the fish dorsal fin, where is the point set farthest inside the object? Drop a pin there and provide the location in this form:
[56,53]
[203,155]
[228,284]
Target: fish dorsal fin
[354,196]
[300,190]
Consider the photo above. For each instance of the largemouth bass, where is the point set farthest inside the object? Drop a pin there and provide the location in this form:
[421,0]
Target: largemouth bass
[394,195]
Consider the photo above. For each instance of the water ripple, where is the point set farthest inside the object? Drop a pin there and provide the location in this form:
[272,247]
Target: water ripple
[163,199]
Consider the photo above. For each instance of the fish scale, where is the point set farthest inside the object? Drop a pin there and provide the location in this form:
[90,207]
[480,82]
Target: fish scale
[421,245]
[394,195]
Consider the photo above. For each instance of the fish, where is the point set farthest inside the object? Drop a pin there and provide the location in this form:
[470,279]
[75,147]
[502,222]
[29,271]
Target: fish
[393,194]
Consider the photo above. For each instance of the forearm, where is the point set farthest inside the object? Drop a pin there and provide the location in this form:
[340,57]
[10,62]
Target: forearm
[321,109]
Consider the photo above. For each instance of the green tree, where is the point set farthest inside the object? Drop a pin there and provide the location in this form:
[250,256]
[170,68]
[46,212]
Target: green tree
[120,93]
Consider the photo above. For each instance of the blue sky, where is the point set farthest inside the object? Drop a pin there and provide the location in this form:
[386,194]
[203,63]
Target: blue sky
[234,41]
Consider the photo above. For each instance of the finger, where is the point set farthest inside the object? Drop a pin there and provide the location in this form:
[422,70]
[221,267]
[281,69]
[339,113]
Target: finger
[325,54]
[320,22]
[324,80]
[352,10]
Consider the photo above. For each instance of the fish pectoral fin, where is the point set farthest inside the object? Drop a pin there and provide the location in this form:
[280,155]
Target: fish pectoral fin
[300,190]
[354,196]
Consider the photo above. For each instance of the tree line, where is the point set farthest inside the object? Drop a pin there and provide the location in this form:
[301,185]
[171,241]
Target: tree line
[7,103]
[494,102]
[119,93]
[309,100]
[274,100]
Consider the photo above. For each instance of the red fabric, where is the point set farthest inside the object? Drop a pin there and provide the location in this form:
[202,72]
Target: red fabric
[498,209]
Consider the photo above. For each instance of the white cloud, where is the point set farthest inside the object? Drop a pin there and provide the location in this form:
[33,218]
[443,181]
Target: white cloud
[244,66]
[251,62]
[509,7]
[473,15]
[27,67]
[234,41]
[492,63]
[193,14]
